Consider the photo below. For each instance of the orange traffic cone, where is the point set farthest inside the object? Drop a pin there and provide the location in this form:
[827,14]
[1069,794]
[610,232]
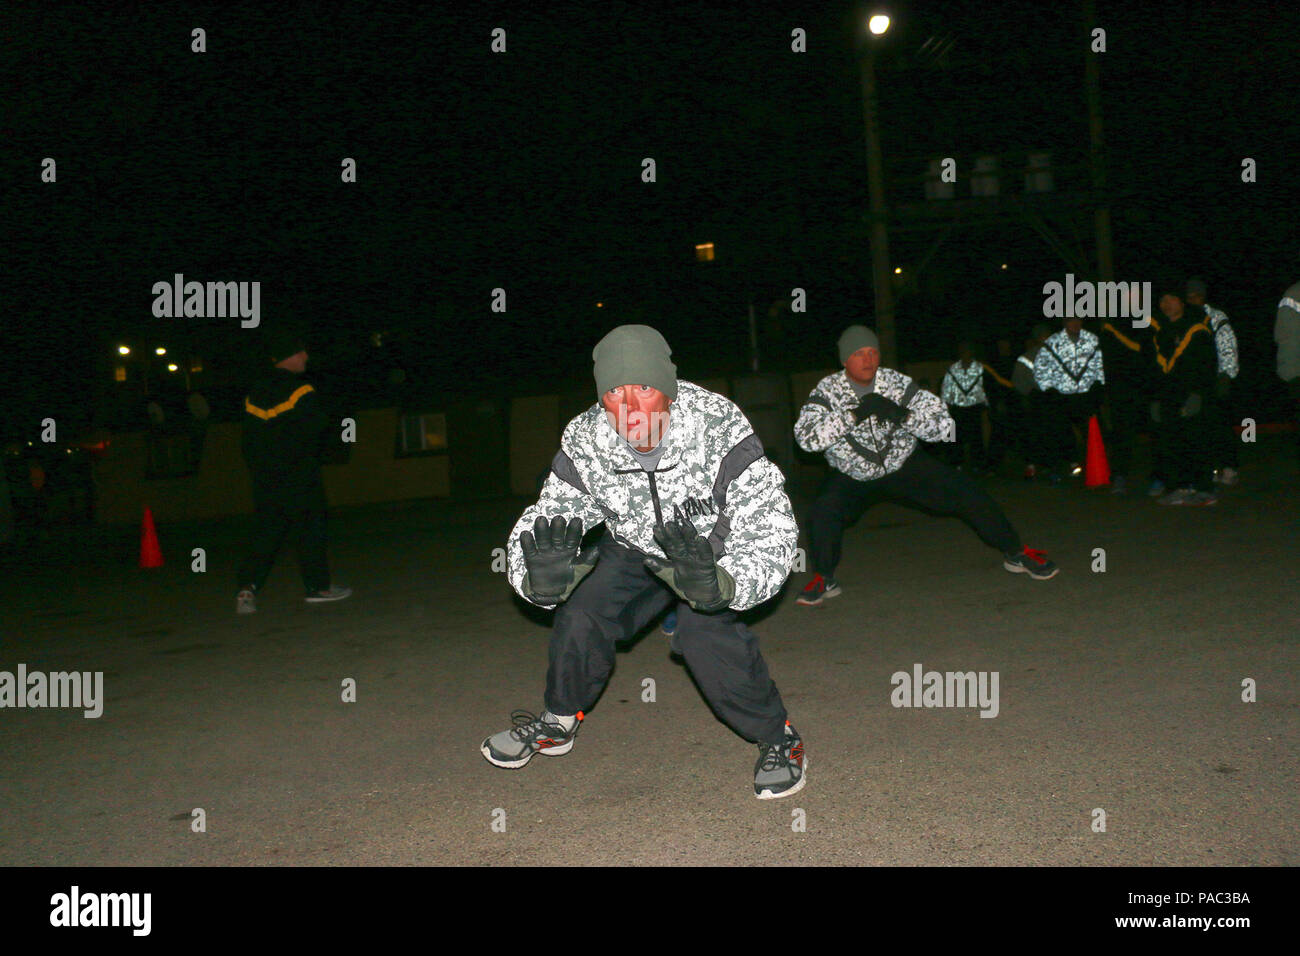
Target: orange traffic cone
[150,553]
[1096,470]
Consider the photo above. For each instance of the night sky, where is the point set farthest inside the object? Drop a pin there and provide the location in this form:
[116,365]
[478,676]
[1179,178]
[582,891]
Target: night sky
[522,170]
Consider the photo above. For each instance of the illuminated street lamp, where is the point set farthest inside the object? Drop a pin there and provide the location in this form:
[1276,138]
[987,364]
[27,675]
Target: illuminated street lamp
[171,366]
[160,351]
[123,350]
[878,24]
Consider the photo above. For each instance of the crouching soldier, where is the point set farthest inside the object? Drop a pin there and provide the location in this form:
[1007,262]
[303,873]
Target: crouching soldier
[695,516]
[868,420]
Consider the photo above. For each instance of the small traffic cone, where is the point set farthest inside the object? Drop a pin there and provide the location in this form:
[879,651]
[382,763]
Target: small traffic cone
[1096,470]
[150,553]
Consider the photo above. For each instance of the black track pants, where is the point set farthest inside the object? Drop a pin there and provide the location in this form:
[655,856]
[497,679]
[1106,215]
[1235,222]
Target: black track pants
[923,482]
[619,598]
[280,516]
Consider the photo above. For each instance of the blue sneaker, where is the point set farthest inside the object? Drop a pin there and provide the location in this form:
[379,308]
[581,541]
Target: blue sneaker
[669,626]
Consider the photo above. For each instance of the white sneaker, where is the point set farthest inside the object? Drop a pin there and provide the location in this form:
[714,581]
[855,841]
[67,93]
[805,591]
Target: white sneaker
[1226,476]
[245,602]
[1179,496]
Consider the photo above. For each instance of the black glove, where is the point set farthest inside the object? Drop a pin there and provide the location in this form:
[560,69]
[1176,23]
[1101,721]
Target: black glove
[554,563]
[690,569]
[876,404]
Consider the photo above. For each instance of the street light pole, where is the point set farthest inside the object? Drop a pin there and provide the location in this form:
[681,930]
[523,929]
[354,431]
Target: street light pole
[880,274]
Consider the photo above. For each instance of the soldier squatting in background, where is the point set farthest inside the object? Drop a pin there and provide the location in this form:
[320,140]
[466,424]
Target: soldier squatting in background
[868,421]
[694,515]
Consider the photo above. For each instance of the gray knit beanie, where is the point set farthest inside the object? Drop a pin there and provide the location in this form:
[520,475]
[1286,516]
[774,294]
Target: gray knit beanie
[857,337]
[634,355]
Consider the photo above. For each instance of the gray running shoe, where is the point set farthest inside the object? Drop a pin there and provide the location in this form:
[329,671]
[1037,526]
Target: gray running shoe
[1032,562]
[782,768]
[246,602]
[1179,496]
[329,594]
[530,735]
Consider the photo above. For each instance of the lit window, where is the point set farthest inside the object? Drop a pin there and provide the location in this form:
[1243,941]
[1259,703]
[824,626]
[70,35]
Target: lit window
[422,432]
[196,365]
[119,373]
[704,252]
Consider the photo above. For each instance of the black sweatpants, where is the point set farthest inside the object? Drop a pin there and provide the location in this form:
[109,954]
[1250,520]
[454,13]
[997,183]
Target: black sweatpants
[1184,449]
[619,598]
[1128,411]
[1062,414]
[969,420]
[923,482]
[280,515]
[1223,412]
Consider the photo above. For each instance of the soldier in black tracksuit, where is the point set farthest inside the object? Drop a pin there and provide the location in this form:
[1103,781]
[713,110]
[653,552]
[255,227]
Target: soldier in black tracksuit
[1182,360]
[284,431]
[1127,373]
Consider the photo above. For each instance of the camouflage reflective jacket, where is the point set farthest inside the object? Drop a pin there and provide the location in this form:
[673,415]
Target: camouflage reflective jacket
[712,470]
[872,448]
[963,385]
[1069,367]
[1225,341]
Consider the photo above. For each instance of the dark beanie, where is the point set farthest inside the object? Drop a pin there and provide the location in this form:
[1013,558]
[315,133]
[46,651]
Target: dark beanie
[857,337]
[1167,282]
[634,355]
[282,342]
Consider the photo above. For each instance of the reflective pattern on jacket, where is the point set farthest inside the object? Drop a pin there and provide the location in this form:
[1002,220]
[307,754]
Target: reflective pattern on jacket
[712,471]
[1023,376]
[963,386]
[1069,367]
[1225,341]
[874,447]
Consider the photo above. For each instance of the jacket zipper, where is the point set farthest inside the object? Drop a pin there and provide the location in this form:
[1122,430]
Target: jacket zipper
[654,496]
[654,487]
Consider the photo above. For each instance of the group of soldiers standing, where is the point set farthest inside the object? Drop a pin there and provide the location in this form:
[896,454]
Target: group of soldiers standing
[1170,374]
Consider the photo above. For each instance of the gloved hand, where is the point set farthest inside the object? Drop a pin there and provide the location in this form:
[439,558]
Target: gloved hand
[1192,407]
[554,563]
[690,568]
[876,404]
